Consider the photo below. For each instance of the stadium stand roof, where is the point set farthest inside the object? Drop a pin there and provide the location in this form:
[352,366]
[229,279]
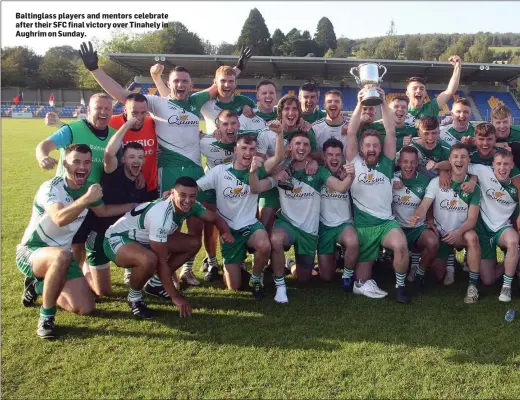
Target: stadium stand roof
[317,67]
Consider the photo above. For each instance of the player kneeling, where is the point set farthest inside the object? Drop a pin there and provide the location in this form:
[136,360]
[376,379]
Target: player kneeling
[456,214]
[143,239]
[336,219]
[407,195]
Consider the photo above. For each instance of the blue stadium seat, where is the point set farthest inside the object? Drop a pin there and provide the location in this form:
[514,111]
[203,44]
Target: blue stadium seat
[487,100]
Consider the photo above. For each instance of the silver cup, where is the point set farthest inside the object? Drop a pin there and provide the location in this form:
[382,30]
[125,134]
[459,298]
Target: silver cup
[285,165]
[369,78]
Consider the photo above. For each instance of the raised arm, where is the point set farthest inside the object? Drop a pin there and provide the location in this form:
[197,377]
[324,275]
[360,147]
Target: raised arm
[63,215]
[342,186]
[42,154]
[390,145]
[273,162]
[90,60]
[114,145]
[443,97]
[256,184]
[156,71]
[352,148]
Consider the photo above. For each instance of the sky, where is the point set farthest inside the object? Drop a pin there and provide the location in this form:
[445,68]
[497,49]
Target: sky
[220,21]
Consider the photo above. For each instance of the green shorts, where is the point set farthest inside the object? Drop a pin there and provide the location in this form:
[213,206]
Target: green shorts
[328,236]
[112,245]
[169,175]
[305,244]
[371,239]
[488,240]
[95,253]
[269,199]
[24,263]
[445,250]
[236,252]
[413,235]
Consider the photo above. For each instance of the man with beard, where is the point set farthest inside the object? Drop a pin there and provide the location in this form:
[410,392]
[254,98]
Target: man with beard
[308,97]
[499,202]
[332,125]
[372,196]
[416,92]
[237,205]
[460,127]
[265,108]
[456,213]
[147,240]
[289,114]
[336,218]
[44,254]
[406,199]
[297,222]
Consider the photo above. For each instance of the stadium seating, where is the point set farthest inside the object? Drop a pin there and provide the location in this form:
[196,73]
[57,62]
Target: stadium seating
[486,101]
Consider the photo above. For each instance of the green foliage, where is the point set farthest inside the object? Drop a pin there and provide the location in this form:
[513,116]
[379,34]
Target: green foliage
[325,37]
[344,48]
[277,43]
[225,48]
[20,67]
[459,48]
[479,52]
[329,54]
[177,39]
[58,71]
[255,34]
[413,49]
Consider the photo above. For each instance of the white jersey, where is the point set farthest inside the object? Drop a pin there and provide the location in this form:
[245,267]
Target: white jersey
[372,191]
[235,202]
[324,131]
[215,151]
[42,231]
[212,109]
[252,124]
[151,221]
[450,206]
[266,141]
[301,205]
[407,199]
[499,200]
[177,128]
[335,207]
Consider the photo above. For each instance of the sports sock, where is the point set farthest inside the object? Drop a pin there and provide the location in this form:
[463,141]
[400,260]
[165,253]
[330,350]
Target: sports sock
[415,259]
[188,265]
[47,313]
[473,278]
[279,281]
[212,261]
[399,278]
[450,264]
[419,271]
[38,287]
[135,295]
[347,273]
[507,281]
[155,280]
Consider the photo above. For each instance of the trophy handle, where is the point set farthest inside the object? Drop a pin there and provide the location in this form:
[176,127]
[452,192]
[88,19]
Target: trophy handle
[354,75]
[381,77]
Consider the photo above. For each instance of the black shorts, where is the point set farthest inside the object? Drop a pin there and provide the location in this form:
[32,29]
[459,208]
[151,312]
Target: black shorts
[85,228]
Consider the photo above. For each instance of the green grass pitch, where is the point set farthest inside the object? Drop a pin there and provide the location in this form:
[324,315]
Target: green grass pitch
[322,344]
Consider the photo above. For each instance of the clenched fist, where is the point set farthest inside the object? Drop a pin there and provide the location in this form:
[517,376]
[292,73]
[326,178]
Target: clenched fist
[275,126]
[454,60]
[156,69]
[52,119]
[349,169]
[256,163]
[94,193]
[47,162]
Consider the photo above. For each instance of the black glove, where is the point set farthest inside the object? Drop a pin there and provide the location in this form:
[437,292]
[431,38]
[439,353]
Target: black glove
[89,56]
[245,54]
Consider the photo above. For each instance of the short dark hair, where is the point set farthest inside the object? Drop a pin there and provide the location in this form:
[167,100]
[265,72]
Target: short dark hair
[334,92]
[287,99]
[186,181]
[427,124]
[138,97]
[485,130]
[332,142]
[265,82]
[503,153]
[227,113]
[463,101]
[80,148]
[309,87]
[132,145]
[299,134]
[459,146]
[417,79]
[370,132]
[401,98]
[179,68]
[410,150]
[247,138]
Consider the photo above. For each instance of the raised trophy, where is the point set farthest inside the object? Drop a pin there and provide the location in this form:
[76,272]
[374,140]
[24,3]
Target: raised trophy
[369,78]
[285,165]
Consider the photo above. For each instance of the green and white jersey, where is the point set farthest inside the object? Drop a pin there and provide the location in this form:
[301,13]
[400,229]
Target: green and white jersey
[266,143]
[499,200]
[514,135]
[253,132]
[400,132]
[372,191]
[212,109]
[335,207]
[314,116]
[441,152]
[258,122]
[215,151]
[235,202]
[301,205]
[407,199]
[451,136]
[42,231]
[450,206]
[152,221]
[323,131]
[430,109]
[177,129]
[476,158]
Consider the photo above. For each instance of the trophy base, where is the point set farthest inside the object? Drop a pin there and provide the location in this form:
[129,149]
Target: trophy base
[372,101]
[286,185]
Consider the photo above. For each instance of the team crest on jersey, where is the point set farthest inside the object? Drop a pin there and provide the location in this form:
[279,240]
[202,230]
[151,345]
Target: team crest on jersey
[298,193]
[236,192]
[452,205]
[405,201]
[193,108]
[498,196]
[370,179]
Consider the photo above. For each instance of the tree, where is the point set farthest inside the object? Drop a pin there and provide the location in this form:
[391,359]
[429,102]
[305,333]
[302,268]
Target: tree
[209,48]
[57,71]
[255,34]
[329,54]
[388,48]
[277,41]
[177,39]
[368,48]
[479,51]
[226,49]
[20,67]
[325,37]
[297,44]
[344,48]
[432,48]
[459,48]
[412,49]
